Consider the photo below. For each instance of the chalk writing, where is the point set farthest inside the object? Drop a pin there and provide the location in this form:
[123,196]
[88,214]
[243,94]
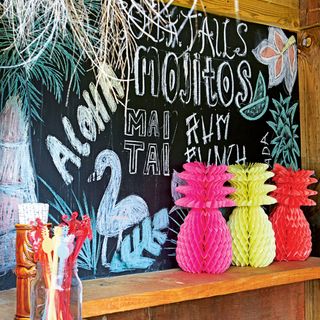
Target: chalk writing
[196,91]
[91,119]
[266,152]
[193,75]
[155,159]
[142,123]
[226,154]
[218,126]
[136,123]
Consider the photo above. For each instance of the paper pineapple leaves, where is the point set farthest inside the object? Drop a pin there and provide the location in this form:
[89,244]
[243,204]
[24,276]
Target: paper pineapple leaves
[253,241]
[204,241]
[292,231]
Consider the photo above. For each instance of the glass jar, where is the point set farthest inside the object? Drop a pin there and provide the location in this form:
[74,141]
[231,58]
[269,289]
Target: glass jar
[38,294]
[75,295]
[61,302]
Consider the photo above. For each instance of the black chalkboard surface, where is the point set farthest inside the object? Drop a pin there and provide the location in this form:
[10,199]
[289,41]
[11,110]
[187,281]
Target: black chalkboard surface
[203,88]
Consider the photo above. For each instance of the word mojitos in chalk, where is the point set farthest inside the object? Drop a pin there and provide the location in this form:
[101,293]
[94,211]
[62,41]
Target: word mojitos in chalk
[218,82]
[209,58]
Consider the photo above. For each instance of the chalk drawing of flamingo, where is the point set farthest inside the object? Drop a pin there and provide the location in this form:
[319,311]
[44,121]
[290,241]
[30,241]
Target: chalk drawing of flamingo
[112,217]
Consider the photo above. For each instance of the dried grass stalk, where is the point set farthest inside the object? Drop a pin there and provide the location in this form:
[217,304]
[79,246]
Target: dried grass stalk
[100,28]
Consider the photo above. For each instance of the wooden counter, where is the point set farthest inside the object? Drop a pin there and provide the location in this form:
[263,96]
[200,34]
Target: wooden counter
[281,291]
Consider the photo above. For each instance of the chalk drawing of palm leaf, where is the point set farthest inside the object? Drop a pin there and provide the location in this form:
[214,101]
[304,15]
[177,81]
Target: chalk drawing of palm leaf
[91,250]
[139,249]
[57,61]
[285,146]
[177,216]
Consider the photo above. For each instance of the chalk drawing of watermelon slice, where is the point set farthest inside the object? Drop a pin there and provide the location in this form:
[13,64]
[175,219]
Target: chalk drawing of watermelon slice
[259,104]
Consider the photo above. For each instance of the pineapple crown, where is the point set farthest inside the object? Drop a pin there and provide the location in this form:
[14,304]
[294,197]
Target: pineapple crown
[292,186]
[204,186]
[249,183]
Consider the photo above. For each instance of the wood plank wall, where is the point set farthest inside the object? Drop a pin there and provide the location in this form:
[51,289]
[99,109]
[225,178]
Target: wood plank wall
[309,86]
[280,13]
[309,13]
[312,298]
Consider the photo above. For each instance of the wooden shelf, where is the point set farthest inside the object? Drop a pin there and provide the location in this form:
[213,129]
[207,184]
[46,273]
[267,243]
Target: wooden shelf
[125,293]
[152,289]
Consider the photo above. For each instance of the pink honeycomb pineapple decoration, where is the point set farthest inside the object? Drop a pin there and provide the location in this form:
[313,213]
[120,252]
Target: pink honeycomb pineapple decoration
[292,231]
[204,242]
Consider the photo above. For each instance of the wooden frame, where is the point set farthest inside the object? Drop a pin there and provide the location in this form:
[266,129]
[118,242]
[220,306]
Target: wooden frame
[304,17]
[280,13]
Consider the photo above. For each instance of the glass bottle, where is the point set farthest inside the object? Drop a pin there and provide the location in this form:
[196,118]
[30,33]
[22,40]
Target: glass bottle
[75,301]
[38,294]
[67,295]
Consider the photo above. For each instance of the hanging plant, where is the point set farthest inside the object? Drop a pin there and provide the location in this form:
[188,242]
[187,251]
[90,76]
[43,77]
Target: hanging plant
[49,40]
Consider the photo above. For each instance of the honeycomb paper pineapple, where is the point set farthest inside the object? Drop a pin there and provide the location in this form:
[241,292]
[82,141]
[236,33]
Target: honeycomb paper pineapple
[292,230]
[253,241]
[204,241]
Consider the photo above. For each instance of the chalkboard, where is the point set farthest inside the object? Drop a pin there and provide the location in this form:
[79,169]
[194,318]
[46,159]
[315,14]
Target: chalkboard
[203,88]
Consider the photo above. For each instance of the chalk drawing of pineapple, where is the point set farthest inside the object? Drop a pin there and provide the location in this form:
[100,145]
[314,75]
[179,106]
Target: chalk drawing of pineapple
[285,149]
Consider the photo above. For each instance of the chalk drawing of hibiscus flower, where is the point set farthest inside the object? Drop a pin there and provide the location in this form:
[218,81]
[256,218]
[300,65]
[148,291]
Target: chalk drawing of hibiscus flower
[280,55]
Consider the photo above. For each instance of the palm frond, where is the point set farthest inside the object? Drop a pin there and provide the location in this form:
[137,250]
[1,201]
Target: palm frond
[90,252]
[60,61]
